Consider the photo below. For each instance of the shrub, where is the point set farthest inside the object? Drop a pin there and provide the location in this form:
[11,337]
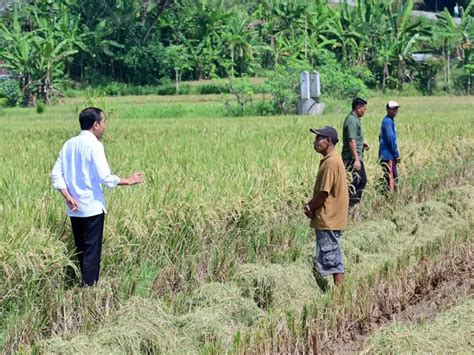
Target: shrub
[113,89]
[263,108]
[339,83]
[213,88]
[10,90]
[364,74]
[147,63]
[283,86]
[425,76]
[166,90]
[185,89]
[336,82]
[242,91]
[463,79]
[40,106]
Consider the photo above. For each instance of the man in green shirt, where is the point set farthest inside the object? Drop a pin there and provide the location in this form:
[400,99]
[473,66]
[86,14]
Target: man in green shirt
[353,148]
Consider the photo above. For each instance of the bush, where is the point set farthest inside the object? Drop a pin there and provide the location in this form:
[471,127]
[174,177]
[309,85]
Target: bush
[425,76]
[213,88]
[283,90]
[263,108]
[463,79]
[120,89]
[341,84]
[112,89]
[170,89]
[364,74]
[40,107]
[242,91]
[10,90]
[284,84]
[147,63]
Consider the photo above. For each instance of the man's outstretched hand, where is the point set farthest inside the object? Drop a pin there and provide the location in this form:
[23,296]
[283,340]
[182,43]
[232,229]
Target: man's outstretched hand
[135,178]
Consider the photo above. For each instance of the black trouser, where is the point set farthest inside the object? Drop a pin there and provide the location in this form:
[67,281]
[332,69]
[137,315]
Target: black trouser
[88,232]
[359,180]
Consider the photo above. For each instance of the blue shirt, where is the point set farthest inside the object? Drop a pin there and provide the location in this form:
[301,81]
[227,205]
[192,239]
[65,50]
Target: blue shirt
[388,149]
[82,168]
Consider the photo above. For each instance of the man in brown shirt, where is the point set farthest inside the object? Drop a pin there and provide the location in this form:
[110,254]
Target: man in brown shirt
[328,208]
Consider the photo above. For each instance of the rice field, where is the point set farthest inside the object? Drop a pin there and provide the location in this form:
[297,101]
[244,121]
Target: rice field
[213,252]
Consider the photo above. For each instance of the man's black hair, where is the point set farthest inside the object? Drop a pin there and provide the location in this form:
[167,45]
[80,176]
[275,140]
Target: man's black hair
[358,102]
[88,116]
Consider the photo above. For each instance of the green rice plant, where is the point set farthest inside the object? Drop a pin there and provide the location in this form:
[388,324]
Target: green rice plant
[221,208]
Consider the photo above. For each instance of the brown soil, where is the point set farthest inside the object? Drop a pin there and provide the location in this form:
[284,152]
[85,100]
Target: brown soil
[440,298]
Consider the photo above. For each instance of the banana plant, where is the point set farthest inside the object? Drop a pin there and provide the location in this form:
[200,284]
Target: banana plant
[16,55]
[462,32]
[37,56]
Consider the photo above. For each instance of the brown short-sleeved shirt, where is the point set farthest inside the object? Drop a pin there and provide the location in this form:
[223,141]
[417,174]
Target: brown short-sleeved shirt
[332,214]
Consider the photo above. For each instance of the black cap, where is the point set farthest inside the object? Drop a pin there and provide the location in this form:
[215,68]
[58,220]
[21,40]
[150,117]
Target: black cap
[326,131]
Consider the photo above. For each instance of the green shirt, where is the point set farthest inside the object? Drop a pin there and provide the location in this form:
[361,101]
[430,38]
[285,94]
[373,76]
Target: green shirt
[352,129]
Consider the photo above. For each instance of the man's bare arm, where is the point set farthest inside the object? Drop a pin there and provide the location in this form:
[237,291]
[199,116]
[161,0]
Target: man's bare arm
[355,155]
[316,201]
[72,203]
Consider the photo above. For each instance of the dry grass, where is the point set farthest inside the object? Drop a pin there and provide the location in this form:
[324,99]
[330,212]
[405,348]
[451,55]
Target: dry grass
[451,331]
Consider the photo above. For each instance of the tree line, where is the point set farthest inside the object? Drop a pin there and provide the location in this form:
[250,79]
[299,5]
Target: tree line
[48,44]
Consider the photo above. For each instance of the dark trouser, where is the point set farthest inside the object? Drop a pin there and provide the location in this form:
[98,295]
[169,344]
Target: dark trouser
[359,180]
[390,174]
[88,232]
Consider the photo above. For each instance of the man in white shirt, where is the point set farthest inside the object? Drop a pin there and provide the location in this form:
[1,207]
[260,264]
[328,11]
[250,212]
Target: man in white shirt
[79,173]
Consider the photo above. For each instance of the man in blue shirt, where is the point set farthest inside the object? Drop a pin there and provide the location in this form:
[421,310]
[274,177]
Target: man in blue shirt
[388,150]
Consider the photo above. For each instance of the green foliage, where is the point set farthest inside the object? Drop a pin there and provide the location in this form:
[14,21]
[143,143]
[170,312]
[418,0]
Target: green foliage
[425,77]
[342,83]
[284,84]
[193,40]
[282,87]
[40,107]
[219,87]
[464,79]
[242,92]
[10,90]
[147,64]
[112,89]
[38,56]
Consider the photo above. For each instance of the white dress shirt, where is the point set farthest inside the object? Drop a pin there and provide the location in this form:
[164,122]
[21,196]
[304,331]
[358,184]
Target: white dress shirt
[82,168]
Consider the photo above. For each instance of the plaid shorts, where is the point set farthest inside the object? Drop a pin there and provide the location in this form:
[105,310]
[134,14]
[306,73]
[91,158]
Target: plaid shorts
[328,259]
